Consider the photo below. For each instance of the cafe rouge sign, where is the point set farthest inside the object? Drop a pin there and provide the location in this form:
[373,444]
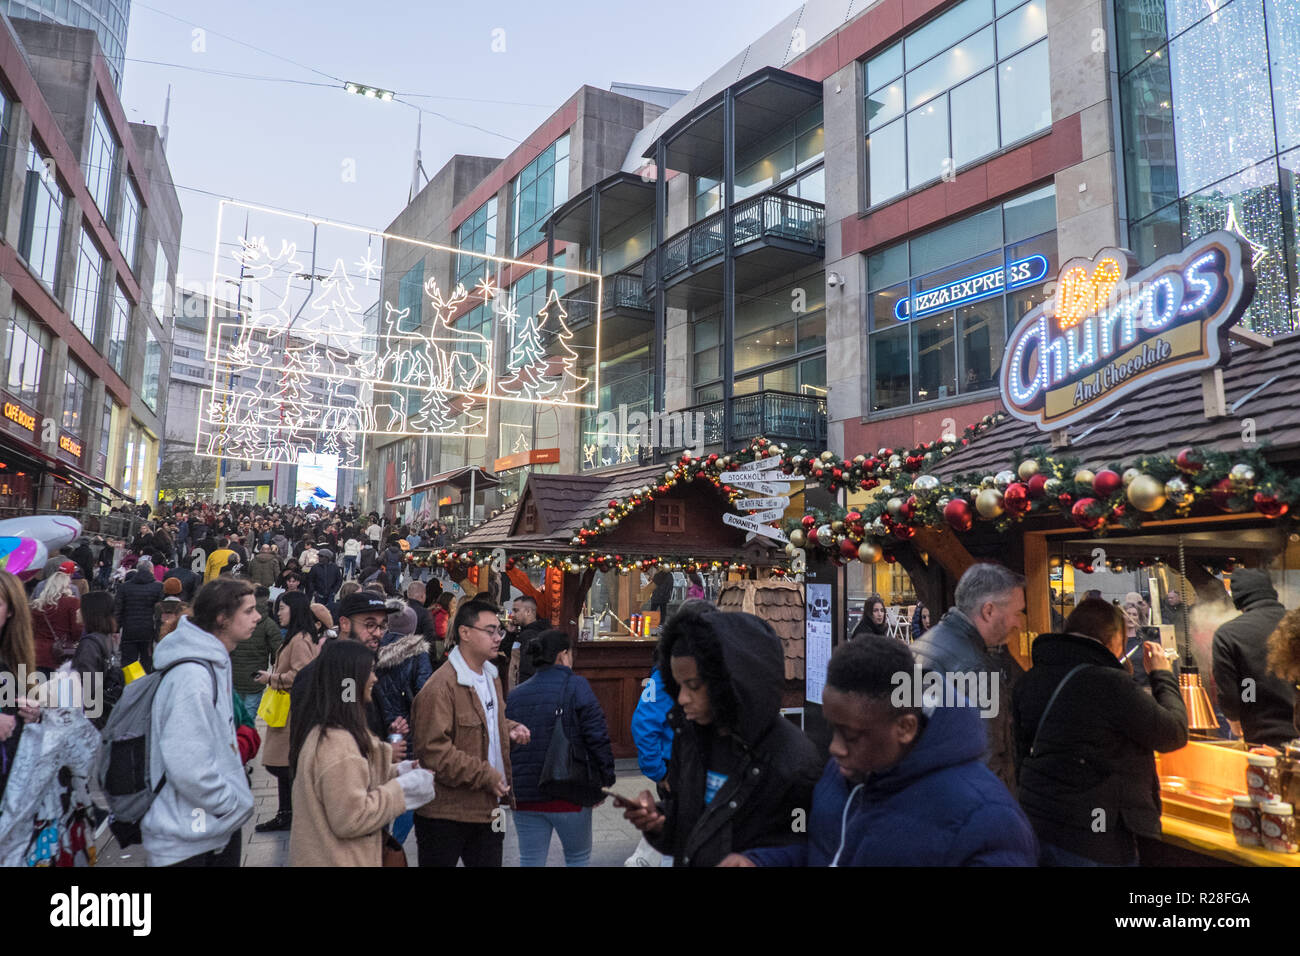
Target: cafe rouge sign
[1111,330]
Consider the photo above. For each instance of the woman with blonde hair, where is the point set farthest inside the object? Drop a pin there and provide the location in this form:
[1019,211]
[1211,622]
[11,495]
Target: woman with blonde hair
[17,656]
[1284,656]
[56,623]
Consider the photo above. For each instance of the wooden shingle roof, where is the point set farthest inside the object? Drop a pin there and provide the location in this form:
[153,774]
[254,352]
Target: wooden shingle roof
[1263,386]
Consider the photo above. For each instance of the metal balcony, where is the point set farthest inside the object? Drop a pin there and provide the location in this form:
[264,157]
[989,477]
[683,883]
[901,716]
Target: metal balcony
[624,309]
[780,416]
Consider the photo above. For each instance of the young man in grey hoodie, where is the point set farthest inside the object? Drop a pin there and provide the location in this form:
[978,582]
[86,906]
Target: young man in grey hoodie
[196,818]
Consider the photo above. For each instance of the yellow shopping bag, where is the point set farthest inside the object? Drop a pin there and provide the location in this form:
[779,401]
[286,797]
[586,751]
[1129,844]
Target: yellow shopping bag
[133,671]
[274,708]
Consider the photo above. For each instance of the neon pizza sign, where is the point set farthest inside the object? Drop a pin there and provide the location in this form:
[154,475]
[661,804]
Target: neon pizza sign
[983,285]
[1111,330]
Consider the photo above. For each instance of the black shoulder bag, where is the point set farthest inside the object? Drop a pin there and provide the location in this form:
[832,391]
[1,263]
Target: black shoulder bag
[569,772]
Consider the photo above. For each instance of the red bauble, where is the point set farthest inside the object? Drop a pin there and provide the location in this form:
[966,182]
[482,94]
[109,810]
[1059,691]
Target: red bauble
[891,558]
[1016,498]
[613,504]
[1189,460]
[1222,494]
[1080,514]
[1269,506]
[808,521]
[812,537]
[908,511]
[958,515]
[1106,483]
[848,549]
[904,531]
[837,474]
[853,516]
[1036,486]
[1119,511]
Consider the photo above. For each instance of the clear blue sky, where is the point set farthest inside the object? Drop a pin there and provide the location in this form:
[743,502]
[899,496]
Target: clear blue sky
[286,145]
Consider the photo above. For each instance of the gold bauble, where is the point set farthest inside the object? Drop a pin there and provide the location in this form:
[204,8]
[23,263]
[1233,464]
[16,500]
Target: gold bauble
[1146,493]
[837,526]
[989,503]
[868,553]
[1130,474]
[798,538]
[894,506]
[1084,478]
[1028,468]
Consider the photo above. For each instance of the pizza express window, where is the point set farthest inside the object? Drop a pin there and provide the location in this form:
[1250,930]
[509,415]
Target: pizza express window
[939,306]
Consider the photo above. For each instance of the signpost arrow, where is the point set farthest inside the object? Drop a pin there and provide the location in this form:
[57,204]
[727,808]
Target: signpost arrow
[760,464]
[763,503]
[755,527]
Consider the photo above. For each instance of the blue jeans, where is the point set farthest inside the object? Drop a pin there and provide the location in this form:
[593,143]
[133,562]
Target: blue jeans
[349,565]
[252,702]
[534,831]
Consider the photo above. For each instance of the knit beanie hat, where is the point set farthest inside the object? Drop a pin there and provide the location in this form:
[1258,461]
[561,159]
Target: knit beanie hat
[402,621]
[172,586]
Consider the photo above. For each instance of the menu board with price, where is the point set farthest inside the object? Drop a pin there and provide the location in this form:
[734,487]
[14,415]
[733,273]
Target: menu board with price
[817,638]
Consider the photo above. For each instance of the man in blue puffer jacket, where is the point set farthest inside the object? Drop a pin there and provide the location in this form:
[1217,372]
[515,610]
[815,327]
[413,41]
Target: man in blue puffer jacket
[904,786]
[651,731]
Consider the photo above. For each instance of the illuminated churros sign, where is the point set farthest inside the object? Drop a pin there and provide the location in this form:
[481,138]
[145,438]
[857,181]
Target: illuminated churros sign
[1111,330]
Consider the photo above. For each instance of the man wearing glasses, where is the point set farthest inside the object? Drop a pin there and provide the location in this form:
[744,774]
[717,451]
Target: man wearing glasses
[458,728]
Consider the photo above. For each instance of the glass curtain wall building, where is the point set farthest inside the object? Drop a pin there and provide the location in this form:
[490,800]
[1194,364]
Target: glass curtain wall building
[1210,104]
[108,18]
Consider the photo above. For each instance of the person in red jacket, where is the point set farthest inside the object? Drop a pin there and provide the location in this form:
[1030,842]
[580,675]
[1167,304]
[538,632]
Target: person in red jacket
[56,621]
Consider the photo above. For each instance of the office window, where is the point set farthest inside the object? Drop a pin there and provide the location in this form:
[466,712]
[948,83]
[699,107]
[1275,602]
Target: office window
[972,81]
[119,326]
[791,148]
[76,395]
[105,437]
[541,186]
[160,296]
[27,342]
[129,225]
[86,288]
[410,297]
[100,165]
[528,295]
[478,233]
[152,370]
[937,328]
[42,223]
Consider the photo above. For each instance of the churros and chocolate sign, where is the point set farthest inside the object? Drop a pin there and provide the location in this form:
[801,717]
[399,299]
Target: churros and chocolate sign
[1111,330]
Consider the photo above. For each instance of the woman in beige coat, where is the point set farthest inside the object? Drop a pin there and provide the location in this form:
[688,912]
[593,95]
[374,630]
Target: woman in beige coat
[346,788]
[293,611]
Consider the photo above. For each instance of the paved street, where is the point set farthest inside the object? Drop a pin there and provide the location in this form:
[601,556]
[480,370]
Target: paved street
[613,839]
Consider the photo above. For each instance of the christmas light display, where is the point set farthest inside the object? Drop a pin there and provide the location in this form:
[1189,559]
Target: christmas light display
[300,370]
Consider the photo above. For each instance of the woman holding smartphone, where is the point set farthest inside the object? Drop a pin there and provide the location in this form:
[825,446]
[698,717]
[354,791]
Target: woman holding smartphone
[297,650]
[346,787]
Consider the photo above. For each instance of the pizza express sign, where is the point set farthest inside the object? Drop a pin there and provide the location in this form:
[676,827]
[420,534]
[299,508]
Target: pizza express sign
[1111,330]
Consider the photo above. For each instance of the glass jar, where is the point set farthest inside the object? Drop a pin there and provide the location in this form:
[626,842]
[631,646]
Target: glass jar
[1262,778]
[1245,821]
[1277,827]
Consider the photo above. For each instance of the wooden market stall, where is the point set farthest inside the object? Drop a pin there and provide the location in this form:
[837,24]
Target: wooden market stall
[600,571]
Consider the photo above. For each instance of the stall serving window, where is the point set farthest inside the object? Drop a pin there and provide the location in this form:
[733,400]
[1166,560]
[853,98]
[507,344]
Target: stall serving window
[968,83]
[1210,111]
[936,329]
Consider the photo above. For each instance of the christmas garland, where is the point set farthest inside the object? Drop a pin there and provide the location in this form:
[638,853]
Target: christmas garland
[451,559]
[1152,488]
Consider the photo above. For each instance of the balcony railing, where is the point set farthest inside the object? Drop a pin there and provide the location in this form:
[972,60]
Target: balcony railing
[623,291]
[766,216]
[776,415]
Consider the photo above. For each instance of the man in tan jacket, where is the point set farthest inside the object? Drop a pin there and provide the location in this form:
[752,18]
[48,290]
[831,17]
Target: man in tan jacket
[459,731]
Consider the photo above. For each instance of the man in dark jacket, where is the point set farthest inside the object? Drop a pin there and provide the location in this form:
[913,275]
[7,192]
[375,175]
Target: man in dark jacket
[265,567]
[906,785]
[189,581]
[324,578]
[423,619]
[1257,703]
[136,598]
[662,594]
[739,770]
[394,557]
[1087,776]
[968,646]
[526,627]
[255,654]
[85,559]
[402,668]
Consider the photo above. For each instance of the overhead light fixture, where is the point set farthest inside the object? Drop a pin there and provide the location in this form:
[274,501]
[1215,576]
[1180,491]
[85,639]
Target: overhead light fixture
[371,91]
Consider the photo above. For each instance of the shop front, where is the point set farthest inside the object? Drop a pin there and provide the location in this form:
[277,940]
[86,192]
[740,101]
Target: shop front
[1149,446]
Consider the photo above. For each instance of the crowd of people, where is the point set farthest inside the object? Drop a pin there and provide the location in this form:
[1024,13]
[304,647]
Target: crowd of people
[373,686]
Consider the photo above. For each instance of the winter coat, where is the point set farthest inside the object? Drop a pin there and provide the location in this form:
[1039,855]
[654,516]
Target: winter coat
[367,559]
[449,736]
[1241,653]
[57,623]
[770,766]
[533,704]
[423,620]
[524,638]
[394,558]
[342,801]
[939,806]
[440,618]
[189,582]
[954,646]
[651,731]
[136,597]
[85,560]
[216,561]
[193,743]
[1094,749]
[264,569]
[257,653]
[97,654]
[403,668]
[323,580]
[291,658]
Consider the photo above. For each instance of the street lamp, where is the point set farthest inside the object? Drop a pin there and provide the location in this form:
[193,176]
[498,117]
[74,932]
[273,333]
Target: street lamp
[371,91]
